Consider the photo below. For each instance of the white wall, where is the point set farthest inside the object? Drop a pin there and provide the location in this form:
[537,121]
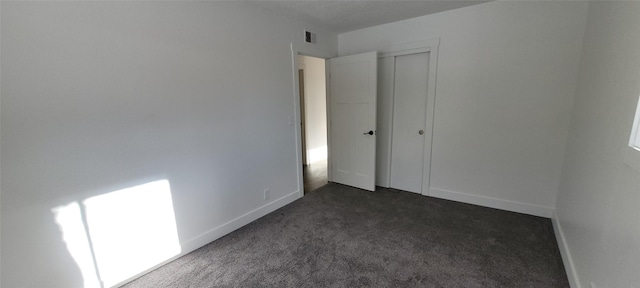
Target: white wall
[315,100]
[599,199]
[101,96]
[505,81]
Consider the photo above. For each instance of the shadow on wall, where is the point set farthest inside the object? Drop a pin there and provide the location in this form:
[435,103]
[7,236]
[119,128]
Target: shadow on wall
[118,235]
[66,269]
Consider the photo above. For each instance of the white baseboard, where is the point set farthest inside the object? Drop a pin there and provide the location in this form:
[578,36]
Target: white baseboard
[508,205]
[224,229]
[569,267]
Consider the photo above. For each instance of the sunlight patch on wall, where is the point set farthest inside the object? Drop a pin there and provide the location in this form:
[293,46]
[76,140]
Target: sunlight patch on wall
[132,230]
[129,231]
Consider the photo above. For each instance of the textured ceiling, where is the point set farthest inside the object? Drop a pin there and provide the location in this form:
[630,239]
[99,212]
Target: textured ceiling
[345,15]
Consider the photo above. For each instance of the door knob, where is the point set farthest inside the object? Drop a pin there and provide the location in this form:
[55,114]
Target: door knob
[368,133]
[420,132]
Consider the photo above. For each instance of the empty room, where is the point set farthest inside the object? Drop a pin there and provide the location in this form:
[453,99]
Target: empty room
[319,144]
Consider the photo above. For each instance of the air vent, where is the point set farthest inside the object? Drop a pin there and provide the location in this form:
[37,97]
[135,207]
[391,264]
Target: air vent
[309,37]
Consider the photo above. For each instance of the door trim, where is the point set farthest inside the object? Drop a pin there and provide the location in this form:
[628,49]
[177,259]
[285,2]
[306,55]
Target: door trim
[422,46]
[303,120]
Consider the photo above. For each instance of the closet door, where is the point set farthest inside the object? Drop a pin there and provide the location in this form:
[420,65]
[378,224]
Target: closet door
[409,115]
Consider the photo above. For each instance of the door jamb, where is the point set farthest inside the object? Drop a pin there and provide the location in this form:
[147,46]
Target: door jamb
[303,120]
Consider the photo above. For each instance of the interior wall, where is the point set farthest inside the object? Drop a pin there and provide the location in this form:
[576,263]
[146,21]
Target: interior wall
[505,82]
[597,208]
[102,96]
[315,100]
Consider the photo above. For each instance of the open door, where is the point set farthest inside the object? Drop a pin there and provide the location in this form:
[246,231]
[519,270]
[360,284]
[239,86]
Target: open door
[353,82]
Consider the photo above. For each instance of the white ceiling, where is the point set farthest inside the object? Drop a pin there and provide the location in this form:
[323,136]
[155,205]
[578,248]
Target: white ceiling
[349,15]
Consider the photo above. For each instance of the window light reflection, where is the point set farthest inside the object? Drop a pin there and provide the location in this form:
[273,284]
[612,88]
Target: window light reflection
[130,231]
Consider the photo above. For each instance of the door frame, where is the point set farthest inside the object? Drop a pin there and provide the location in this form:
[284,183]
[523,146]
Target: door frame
[422,46]
[303,120]
[305,50]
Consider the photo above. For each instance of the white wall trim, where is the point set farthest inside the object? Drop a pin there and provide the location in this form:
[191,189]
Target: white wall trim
[567,260]
[410,47]
[508,205]
[632,157]
[232,225]
[205,238]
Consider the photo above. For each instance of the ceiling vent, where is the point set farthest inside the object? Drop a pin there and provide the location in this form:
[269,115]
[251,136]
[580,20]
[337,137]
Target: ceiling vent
[309,37]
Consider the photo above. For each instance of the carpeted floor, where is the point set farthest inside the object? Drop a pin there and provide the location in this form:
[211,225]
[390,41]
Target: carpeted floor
[339,236]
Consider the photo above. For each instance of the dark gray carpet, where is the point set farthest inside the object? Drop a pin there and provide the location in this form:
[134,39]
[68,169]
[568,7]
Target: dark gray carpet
[339,236]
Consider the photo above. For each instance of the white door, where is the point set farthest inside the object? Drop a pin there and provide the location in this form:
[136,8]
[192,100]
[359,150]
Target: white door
[409,115]
[353,119]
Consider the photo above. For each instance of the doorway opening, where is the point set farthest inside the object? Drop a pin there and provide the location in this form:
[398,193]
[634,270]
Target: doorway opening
[313,116]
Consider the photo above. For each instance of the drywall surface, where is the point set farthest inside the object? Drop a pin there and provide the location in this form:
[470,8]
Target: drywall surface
[505,82]
[99,97]
[599,198]
[315,100]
